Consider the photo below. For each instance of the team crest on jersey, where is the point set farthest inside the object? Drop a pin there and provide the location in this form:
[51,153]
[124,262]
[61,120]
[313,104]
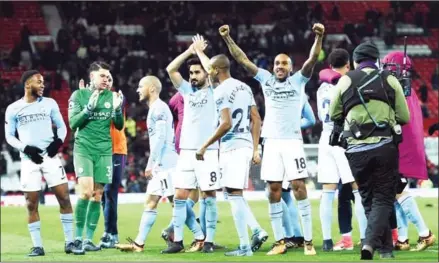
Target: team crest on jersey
[71,104]
[80,170]
[107,105]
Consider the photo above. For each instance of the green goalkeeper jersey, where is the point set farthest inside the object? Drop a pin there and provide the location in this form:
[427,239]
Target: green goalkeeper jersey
[93,128]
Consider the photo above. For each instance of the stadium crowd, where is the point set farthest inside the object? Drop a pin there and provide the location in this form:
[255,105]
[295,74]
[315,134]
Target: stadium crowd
[84,38]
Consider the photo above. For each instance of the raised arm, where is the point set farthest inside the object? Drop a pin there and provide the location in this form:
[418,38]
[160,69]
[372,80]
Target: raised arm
[236,52]
[173,67]
[199,46]
[308,66]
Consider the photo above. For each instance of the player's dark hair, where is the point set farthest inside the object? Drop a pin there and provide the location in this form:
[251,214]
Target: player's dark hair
[27,75]
[97,65]
[194,61]
[338,58]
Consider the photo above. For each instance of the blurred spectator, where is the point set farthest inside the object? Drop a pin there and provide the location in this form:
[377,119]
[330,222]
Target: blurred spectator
[335,13]
[435,78]
[423,90]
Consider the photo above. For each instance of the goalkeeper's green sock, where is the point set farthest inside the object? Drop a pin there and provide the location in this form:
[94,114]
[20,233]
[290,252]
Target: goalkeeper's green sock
[80,215]
[94,211]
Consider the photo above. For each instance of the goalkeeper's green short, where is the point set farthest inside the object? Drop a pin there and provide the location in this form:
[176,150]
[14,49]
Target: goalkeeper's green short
[100,167]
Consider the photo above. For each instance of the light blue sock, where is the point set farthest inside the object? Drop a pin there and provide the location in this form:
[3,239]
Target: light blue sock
[401,221]
[35,233]
[360,214]
[67,225]
[305,212]
[211,218]
[179,217]
[411,210]
[191,221]
[286,221]
[294,215]
[326,213]
[146,223]
[251,220]
[276,212]
[202,215]
[238,204]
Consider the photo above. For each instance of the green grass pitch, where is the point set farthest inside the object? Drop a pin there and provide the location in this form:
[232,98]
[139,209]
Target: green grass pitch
[15,239]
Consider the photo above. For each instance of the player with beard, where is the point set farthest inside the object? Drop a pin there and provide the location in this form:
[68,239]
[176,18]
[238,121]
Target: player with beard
[284,156]
[198,123]
[91,112]
[412,161]
[176,104]
[162,159]
[32,117]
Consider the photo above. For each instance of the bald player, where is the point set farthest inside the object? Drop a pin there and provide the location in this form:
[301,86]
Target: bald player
[162,159]
[238,132]
[284,156]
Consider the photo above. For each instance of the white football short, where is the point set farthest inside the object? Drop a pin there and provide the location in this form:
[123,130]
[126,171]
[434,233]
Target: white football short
[333,165]
[283,159]
[191,173]
[235,168]
[51,169]
[161,183]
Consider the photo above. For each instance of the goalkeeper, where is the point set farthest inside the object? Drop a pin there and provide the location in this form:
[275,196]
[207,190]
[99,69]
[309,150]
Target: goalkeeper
[91,111]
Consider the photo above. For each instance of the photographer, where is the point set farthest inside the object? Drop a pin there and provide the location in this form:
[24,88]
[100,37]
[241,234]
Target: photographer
[371,105]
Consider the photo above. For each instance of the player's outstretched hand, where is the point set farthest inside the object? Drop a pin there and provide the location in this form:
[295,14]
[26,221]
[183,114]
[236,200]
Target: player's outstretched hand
[224,30]
[318,29]
[199,44]
[93,100]
[256,157]
[34,154]
[117,100]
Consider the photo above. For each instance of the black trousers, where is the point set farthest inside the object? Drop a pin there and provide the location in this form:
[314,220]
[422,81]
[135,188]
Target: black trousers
[376,173]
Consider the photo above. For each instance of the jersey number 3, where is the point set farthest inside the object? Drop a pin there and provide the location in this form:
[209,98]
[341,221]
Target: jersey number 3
[240,112]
